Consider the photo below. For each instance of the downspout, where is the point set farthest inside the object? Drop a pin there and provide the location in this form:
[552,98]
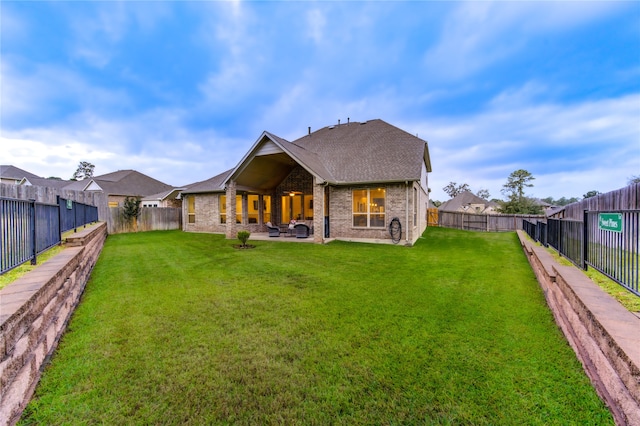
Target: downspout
[325,185]
[406,234]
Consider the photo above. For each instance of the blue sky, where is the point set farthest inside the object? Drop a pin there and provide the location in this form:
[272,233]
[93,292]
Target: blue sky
[181,90]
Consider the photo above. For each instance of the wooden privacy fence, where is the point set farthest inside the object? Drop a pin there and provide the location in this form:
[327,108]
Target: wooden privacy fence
[627,198]
[150,219]
[484,222]
[432,217]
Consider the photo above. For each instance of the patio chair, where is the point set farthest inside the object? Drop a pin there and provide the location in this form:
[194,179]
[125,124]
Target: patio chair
[302,230]
[274,231]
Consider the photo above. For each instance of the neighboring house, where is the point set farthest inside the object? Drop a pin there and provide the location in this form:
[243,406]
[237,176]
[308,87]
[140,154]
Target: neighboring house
[345,181]
[49,183]
[14,175]
[546,207]
[120,185]
[467,202]
[169,198]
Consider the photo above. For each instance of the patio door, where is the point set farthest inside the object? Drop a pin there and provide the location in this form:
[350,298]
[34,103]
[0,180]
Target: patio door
[292,207]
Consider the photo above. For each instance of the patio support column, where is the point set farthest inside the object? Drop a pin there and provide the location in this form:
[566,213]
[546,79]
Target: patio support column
[318,211]
[245,209]
[231,210]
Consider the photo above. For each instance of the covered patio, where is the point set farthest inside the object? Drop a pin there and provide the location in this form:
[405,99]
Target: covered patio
[271,189]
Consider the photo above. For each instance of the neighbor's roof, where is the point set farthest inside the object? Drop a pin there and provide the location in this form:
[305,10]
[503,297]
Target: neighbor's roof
[12,172]
[170,194]
[463,199]
[122,182]
[50,183]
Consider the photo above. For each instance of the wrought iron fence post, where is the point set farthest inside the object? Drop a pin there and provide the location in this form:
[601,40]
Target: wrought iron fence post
[60,226]
[32,220]
[585,238]
[75,216]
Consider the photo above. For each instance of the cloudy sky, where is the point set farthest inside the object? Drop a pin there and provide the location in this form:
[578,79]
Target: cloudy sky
[181,90]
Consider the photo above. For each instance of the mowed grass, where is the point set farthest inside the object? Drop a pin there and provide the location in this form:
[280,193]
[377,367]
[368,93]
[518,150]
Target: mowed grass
[181,328]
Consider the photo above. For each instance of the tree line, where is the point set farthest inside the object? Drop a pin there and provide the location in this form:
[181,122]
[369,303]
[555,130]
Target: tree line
[517,202]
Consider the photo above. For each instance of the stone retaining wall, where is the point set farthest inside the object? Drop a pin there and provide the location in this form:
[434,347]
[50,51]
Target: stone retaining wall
[34,311]
[604,335]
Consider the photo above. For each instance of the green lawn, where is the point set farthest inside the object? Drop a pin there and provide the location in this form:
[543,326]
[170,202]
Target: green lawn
[181,328]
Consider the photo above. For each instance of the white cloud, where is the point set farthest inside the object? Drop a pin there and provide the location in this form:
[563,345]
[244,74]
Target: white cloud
[570,149]
[171,152]
[316,23]
[35,94]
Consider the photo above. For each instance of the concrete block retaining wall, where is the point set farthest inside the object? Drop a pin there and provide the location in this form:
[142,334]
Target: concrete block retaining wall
[604,335]
[34,311]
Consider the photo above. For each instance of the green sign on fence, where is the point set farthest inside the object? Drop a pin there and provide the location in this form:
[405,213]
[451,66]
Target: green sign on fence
[610,222]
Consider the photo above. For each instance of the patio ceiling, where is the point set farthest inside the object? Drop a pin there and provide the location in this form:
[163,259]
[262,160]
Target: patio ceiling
[265,172]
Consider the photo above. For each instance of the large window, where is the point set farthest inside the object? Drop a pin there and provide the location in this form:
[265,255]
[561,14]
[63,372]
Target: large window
[297,207]
[266,208]
[369,208]
[253,209]
[223,209]
[191,208]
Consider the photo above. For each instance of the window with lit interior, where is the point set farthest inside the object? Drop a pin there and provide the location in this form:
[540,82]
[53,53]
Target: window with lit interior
[369,208]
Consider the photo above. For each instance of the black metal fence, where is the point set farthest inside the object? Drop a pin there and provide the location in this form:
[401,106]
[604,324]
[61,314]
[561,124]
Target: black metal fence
[74,215]
[609,243]
[612,245]
[28,228]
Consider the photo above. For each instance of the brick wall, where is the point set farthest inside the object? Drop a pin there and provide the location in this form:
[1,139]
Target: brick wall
[207,209]
[34,311]
[341,212]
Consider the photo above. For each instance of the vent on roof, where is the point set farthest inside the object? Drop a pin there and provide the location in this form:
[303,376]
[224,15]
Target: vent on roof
[332,127]
[364,122]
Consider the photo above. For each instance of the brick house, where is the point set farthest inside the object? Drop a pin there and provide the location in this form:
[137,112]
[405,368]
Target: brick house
[120,185]
[468,202]
[344,181]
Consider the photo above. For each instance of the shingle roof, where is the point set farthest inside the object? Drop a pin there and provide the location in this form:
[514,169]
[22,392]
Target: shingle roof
[172,193]
[214,184]
[463,199]
[13,172]
[123,182]
[50,183]
[371,151]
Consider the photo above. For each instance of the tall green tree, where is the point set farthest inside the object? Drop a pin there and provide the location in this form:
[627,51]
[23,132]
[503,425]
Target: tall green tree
[517,202]
[516,182]
[483,193]
[453,189]
[84,171]
[591,194]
